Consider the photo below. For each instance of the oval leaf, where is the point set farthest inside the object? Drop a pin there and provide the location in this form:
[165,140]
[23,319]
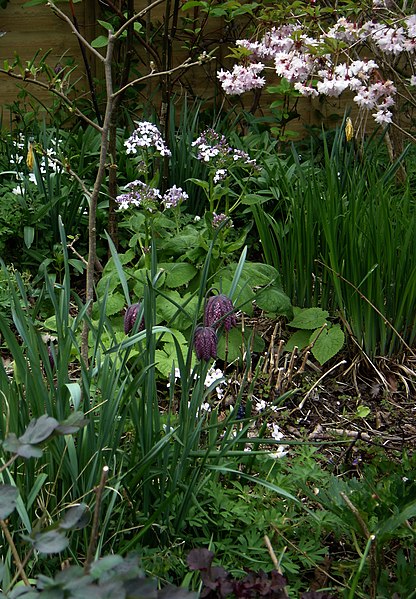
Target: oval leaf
[8,497]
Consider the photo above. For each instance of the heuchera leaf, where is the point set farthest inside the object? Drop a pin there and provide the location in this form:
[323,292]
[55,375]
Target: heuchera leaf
[8,497]
[200,559]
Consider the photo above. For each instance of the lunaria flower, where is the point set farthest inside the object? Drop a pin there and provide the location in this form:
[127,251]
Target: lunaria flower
[139,194]
[219,309]
[205,343]
[146,135]
[174,196]
[130,318]
[217,219]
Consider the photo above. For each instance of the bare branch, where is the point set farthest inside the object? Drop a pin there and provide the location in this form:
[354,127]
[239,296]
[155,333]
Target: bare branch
[75,31]
[54,91]
[135,17]
[184,65]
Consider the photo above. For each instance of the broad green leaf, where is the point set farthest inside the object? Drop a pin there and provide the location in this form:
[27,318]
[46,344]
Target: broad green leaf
[179,273]
[75,393]
[329,342]
[8,496]
[72,424]
[273,299]
[100,42]
[299,339]
[115,303]
[236,345]
[39,429]
[25,450]
[309,318]
[51,541]
[76,517]
[106,25]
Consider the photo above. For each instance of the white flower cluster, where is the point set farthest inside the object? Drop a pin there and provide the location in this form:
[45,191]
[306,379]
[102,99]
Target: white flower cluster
[214,375]
[146,135]
[46,164]
[306,63]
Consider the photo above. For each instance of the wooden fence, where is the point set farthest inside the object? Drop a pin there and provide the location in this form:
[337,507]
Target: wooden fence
[37,30]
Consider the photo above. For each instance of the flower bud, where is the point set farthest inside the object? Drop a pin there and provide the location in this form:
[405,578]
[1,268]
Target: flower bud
[205,343]
[131,316]
[219,309]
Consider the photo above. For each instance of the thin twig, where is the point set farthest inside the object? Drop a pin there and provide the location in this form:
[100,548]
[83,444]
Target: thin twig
[302,403]
[80,37]
[16,557]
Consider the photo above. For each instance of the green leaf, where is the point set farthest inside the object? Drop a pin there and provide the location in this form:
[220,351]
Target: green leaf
[39,429]
[8,497]
[51,541]
[309,318]
[363,411]
[235,344]
[75,393]
[72,424]
[13,445]
[299,339]
[328,344]
[76,517]
[115,303]
[178,274]
[273,299]
[106,25]
[100,42]
[28,235]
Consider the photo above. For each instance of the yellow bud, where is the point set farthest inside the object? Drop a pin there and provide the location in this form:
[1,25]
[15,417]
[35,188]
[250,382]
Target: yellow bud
[30,158]
[349,129]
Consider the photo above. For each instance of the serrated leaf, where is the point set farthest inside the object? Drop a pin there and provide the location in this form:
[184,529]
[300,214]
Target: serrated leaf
[8,497]
[299,339]
[39,429]
[115,303]
[273,299]
[309,318]
[178,274]
[328,344]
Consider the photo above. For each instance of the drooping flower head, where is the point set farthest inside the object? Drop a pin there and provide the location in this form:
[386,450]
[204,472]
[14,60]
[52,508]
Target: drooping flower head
[205,343]
[219,310]
[130,318]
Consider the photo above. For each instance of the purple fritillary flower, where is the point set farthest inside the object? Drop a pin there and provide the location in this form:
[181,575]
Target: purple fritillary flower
[130,318]
[219,309]
[205,343]
[52,357]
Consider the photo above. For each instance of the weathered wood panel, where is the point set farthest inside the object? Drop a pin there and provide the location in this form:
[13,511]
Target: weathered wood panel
[29,30]
[37,29]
